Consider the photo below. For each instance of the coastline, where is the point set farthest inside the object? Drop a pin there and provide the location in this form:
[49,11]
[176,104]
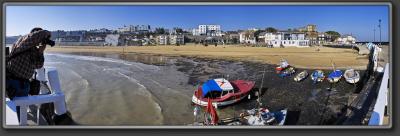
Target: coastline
[307,58]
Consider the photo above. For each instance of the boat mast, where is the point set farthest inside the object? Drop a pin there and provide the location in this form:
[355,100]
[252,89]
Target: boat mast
[259,90]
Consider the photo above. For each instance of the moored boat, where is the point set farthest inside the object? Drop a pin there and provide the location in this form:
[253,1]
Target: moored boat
[258,117]
[317,76]
[335,76]
[266,117]
[222,92]
[283,64]
[287,72]
[301,76]
[352,76]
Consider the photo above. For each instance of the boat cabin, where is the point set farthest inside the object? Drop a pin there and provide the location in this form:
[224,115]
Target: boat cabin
[216,88]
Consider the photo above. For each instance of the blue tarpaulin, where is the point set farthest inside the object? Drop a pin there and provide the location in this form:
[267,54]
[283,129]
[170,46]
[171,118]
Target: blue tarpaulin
[335,74]
[210,86]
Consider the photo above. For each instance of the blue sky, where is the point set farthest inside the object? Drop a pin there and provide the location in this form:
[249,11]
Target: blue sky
[357,20]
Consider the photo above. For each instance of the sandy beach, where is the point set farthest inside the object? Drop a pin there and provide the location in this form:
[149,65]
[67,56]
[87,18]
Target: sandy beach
[299,57]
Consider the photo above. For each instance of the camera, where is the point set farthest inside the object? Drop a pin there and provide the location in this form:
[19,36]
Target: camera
[47,41]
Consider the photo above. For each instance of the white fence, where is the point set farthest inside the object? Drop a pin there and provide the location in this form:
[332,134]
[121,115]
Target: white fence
[48,76]
[382,100]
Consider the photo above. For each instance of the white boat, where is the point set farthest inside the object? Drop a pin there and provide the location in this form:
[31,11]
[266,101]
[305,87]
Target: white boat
[283,64]
[301,76]
[263,117]
[352,76]
[260,117]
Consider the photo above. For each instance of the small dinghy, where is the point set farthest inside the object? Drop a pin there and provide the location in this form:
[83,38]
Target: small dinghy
[282,65]
[317,76]
[335,76]
[222,92]
[301,76]
[287,72]
[262,117]
[352,76]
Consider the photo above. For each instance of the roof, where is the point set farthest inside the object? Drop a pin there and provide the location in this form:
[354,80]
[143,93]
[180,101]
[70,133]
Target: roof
[218,85]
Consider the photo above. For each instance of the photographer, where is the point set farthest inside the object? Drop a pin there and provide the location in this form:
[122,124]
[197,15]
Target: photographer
[26,56]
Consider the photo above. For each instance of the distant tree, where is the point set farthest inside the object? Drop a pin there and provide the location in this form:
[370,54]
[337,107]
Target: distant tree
[333,34]
[160,31]
[179,30]
[271,30]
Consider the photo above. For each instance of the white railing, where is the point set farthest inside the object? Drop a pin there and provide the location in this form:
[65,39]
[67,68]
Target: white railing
[381,102]
[48,76]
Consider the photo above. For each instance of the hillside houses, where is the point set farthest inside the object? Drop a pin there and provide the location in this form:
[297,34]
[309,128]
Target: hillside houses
[140,35]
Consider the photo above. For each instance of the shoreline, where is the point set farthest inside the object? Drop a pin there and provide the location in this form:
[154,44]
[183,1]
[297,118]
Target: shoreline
[306,58]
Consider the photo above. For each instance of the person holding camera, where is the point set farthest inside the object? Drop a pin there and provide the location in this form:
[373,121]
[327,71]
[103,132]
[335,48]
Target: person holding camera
[26,55]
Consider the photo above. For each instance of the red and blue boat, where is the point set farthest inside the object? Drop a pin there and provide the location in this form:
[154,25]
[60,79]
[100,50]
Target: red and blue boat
[222,92]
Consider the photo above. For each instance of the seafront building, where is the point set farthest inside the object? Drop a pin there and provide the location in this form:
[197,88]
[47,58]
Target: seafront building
[346,39]
[112,40]
[247,37]
[162,39]
[284,39]
[311,33]
[208,30]
[143,35]
[134,29]
[173,39]
[177,39]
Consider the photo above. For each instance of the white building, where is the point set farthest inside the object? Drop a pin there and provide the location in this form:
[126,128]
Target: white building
[112,39]
[209,30]
[247,37]
[134,28]
[177,39]
[170,39]
[283,38]
[162,39]
[346,39]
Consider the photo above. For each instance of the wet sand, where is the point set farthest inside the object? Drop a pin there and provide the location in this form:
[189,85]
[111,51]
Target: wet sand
[308,103]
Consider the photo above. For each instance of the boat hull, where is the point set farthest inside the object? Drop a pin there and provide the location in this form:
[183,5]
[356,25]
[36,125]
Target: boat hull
[351,79]
[242,87]
[334,80]
[301,76]
[317,76]
[200,102]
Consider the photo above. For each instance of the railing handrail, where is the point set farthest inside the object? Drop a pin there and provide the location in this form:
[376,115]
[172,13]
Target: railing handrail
[381,101]
[57,96]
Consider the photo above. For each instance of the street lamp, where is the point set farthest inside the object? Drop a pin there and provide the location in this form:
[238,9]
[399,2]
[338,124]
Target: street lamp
[374,34]
[380,36]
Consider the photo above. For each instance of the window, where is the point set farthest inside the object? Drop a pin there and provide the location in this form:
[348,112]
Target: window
[224,93]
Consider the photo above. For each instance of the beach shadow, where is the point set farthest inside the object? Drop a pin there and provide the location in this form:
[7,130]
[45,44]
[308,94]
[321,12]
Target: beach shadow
[292,117]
